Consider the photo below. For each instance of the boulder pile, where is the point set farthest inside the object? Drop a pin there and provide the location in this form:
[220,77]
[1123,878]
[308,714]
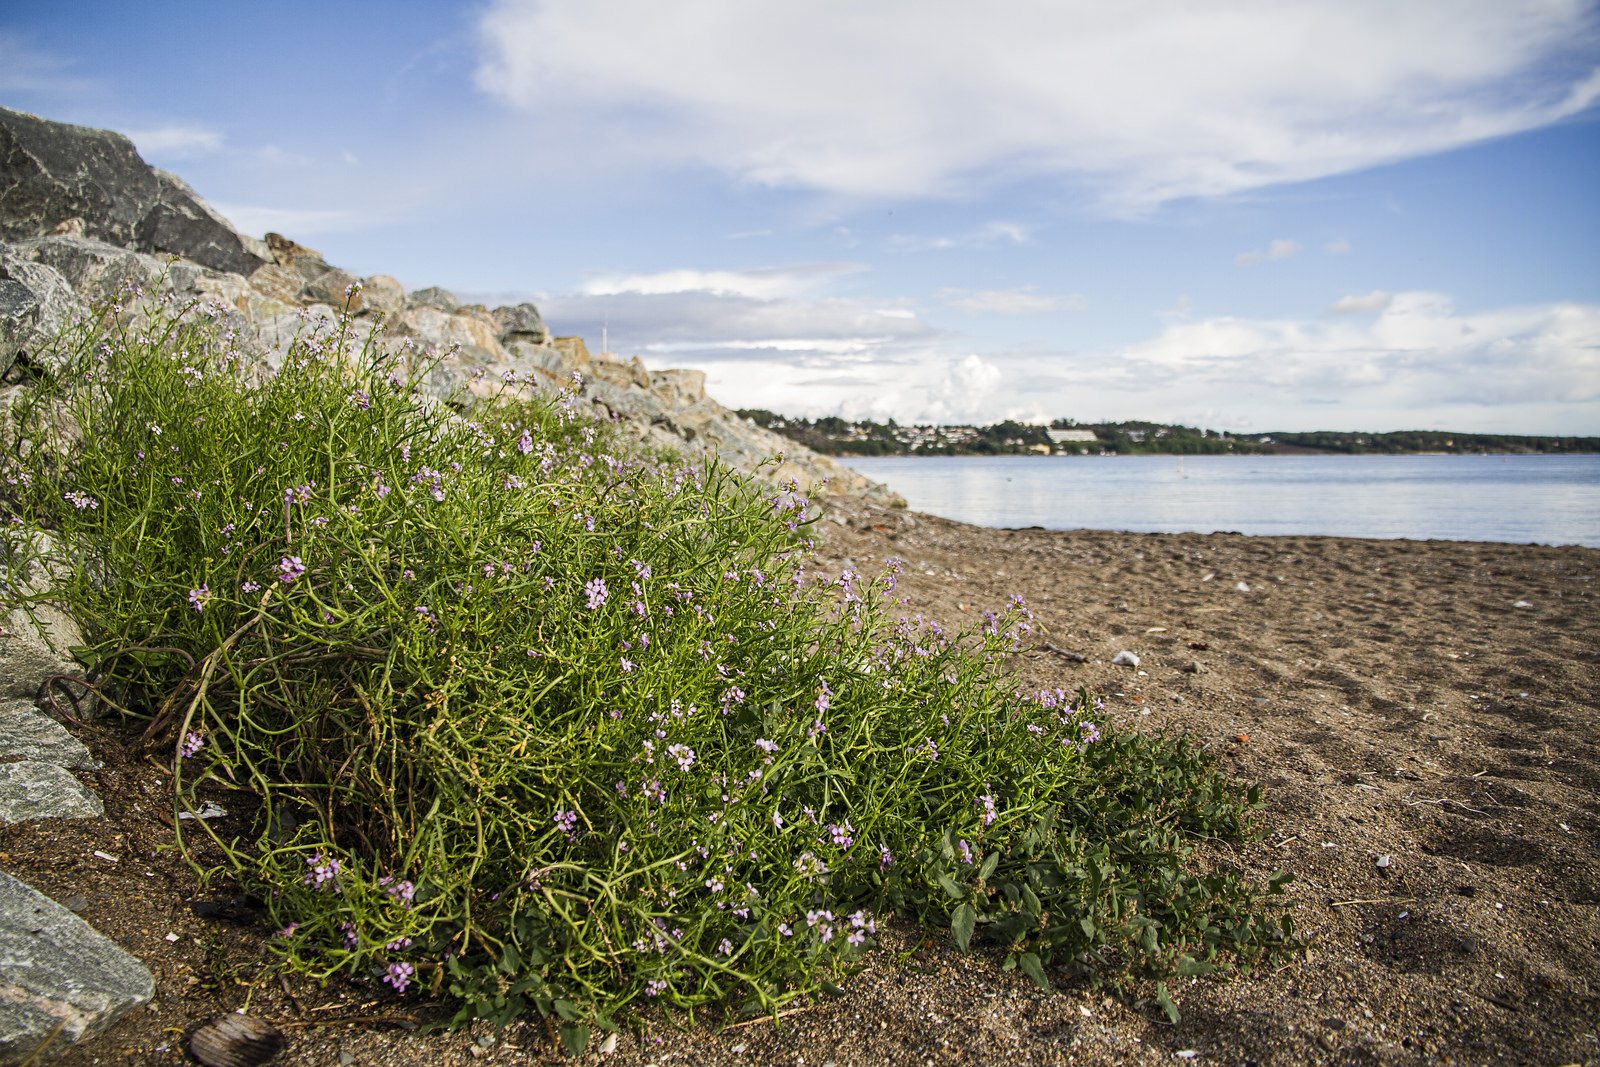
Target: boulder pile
[82,216]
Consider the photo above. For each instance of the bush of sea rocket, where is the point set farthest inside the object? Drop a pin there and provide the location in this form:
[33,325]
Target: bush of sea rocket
[539,722]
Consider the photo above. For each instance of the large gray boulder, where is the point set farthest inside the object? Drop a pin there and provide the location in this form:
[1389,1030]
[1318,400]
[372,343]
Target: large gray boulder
[55,177]
[61,981]
[36,304]
[36,635]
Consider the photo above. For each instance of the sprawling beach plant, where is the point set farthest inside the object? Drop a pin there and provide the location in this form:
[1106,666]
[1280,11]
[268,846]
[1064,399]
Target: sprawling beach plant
[508,711]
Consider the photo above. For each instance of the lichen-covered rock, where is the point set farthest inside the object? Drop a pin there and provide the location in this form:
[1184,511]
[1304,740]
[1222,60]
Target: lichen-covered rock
[36,635]
[63,981]
[521,322]
[36,305]
[53,174]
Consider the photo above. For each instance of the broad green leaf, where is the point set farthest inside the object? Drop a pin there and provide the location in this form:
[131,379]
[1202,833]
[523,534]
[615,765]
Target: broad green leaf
[962,921]
[1034,969]
[1164,999]
[574,1038]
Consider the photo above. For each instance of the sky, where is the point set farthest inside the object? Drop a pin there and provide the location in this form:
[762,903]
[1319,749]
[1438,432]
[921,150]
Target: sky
[1245,215]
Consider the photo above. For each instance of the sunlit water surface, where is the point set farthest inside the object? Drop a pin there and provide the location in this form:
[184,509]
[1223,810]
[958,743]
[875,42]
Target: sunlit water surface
[1526,499]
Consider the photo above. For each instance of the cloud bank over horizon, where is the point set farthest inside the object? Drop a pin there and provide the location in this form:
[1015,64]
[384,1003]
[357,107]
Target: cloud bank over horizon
[1372,362]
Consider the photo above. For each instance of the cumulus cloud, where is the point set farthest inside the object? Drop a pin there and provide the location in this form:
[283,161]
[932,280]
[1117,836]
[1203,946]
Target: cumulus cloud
[1024,301]
[1376,300]
[1281,248]
[1140,103]
[1414,361]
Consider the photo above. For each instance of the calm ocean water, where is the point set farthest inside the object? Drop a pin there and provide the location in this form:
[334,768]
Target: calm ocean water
[1526,499]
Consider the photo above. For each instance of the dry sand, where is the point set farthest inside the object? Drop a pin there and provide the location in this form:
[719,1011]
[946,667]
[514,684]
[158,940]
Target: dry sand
[1429,705]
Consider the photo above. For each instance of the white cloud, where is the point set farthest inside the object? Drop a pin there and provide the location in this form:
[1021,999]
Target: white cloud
[986,236]
[1143,103]
[299,222]
[1280,248]
[763,283]
[1024,301]
[1337,247]
[1376,300]
[175,141]
[1416,362]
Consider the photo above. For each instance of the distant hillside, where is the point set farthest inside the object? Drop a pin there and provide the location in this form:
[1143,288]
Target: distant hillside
[835,436]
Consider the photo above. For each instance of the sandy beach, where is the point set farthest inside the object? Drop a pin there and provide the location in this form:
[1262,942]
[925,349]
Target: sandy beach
[1423,716]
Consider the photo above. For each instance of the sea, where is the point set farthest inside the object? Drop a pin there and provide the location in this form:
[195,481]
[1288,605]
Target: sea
[1552,500]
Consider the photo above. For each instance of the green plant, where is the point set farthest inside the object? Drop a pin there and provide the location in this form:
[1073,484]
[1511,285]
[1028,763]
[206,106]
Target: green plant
[548,725]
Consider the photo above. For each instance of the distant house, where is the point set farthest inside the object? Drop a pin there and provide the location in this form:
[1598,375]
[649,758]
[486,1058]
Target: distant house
[1072,437]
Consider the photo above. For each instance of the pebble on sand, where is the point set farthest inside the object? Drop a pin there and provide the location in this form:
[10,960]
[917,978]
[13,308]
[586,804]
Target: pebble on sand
[1125,659]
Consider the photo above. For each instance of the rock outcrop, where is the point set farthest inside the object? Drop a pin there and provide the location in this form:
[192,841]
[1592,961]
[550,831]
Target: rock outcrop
[56,178]
[83,217]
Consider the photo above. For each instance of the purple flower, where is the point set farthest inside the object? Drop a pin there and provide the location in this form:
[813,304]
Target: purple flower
[399,976]
[401,891]
[596,590]
[199,597]
[290,568]
[568,822]
[885,858]
[655,987]
[965,851]
[986,802]
[824,698]
[249,587]
[192,743]
[324,871]
[683,754]
[351,938]
[81,501]
[525,443]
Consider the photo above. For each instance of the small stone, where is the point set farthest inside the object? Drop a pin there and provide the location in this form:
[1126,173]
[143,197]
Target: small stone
[1243,587]
[1385,860]
[1521,604]
[1179,700]
[1125,659]
[236,1041]
[1194,666]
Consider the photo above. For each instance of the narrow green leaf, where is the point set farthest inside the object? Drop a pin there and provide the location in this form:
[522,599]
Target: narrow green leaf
[949,885]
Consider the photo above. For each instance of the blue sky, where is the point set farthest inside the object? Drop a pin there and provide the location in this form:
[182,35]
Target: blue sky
[1246,215]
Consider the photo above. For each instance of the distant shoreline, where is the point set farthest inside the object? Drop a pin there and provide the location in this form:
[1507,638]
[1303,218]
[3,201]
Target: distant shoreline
[834,436]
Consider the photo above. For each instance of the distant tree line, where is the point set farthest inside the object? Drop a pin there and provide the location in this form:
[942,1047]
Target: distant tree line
[835,436]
